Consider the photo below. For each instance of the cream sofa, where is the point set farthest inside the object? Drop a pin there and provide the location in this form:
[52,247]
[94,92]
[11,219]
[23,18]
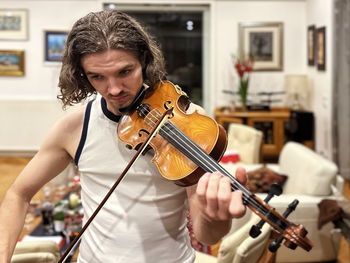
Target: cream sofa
[36,252]
[311,178]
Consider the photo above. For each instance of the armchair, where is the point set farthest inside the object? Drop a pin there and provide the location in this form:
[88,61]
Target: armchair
[239,247]
[246,140]
[311,178]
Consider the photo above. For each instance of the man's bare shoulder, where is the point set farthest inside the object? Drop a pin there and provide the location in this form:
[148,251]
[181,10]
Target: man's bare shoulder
[67,131]
[71,121]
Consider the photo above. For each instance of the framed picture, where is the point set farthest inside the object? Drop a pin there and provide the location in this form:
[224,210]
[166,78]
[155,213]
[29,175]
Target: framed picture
[321,48]
[262,42]
[13,24]
[11,63]
[54,45]
[311,45]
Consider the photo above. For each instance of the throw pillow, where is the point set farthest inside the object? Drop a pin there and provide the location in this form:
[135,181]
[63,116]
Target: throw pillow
[260,180]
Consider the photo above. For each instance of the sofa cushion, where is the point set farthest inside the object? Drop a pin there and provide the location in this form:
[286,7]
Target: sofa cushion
[260,180]
[37,257]
[308,172]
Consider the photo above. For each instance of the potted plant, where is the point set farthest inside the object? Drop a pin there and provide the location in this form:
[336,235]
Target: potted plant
[243,69]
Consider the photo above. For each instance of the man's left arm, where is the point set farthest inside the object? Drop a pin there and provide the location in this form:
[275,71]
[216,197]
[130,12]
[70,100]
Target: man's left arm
[213,205]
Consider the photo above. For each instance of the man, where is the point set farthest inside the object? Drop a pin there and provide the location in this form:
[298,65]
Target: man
[110,54]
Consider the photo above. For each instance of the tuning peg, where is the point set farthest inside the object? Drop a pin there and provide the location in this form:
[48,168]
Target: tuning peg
[255,230]
[277,242]
[274,245]
[291,207]
[275,189]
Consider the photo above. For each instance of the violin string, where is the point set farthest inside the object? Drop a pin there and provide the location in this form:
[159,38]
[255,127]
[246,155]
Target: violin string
[204,160]
[207,162]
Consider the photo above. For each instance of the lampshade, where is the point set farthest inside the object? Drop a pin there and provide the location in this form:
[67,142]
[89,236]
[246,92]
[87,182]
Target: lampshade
[297,87]
[296,84]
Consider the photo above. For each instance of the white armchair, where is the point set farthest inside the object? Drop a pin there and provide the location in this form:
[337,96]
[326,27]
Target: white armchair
[311,178]
[239,247]
[246,141]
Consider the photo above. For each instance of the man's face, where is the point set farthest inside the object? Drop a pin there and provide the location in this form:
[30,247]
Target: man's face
[115,74]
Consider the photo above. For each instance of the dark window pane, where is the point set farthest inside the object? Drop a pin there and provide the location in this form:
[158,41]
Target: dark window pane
[180,37]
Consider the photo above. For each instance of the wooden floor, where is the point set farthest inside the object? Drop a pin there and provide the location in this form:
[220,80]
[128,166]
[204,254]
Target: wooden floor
[10,167]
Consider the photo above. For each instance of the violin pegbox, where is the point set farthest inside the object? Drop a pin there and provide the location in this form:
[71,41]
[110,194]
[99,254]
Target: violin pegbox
[275,190]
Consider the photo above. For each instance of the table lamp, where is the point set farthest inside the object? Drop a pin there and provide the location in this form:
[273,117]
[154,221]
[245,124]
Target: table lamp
[297,86]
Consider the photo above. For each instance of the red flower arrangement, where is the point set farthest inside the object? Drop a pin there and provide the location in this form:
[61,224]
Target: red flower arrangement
[243,68]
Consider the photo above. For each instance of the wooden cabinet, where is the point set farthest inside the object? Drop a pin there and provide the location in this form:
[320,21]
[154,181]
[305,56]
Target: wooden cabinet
[271,123]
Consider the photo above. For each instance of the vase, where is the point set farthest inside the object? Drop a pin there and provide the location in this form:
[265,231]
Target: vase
[243,93]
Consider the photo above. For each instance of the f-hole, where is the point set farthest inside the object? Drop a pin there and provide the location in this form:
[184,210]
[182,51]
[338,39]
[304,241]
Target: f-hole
[143,131]
[168,102]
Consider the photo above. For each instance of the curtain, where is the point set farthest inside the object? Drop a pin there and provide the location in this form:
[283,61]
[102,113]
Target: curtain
[341,86]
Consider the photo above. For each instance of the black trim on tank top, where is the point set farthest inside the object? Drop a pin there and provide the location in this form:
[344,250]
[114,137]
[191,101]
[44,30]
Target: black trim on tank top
[110,115]
[84,132]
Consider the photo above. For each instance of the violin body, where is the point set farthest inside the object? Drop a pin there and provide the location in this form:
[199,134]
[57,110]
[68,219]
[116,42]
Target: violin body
[202,130]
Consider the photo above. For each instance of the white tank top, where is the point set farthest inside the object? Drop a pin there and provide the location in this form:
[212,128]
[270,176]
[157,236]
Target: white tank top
[145,219]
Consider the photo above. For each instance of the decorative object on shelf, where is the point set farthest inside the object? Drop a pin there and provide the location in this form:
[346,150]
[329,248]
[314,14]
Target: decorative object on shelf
[54,45]
[297,86]
[321,48]
[243,68]
[264,42]
[311,45]
[11,62]
[13,24]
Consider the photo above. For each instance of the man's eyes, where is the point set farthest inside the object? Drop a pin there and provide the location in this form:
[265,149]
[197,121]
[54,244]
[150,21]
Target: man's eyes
[124,72]
[96,77]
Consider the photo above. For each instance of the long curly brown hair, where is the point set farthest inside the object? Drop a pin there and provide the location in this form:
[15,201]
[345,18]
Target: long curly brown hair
[98,32]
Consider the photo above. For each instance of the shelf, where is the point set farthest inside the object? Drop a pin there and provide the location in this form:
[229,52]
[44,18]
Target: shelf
[271,123]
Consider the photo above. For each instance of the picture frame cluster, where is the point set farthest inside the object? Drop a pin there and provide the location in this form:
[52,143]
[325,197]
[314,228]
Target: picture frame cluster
[14,27]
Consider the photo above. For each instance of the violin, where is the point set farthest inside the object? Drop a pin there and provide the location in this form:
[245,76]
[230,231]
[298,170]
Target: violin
[187,145]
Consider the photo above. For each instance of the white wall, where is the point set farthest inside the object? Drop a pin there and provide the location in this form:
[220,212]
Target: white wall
[40,80]
[319,13]
[28,105]
[228,14]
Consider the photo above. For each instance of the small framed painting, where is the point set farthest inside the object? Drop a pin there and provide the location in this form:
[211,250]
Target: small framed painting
[311,45]
[321,48]
[11,63]
[13,24]
[54,45]
[262,42]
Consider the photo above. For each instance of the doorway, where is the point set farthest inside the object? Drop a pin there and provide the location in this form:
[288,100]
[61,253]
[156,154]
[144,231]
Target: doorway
[179,30]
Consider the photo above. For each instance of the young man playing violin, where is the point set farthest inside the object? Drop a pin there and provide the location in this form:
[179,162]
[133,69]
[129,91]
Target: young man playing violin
[111,55]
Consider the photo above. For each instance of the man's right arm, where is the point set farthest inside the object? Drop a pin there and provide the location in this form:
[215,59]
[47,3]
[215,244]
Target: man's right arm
[52,158]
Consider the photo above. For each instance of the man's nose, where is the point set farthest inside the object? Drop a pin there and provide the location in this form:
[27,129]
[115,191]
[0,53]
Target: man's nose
[114,87]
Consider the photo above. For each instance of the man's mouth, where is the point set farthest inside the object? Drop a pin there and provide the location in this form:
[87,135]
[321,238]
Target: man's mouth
[119,98]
